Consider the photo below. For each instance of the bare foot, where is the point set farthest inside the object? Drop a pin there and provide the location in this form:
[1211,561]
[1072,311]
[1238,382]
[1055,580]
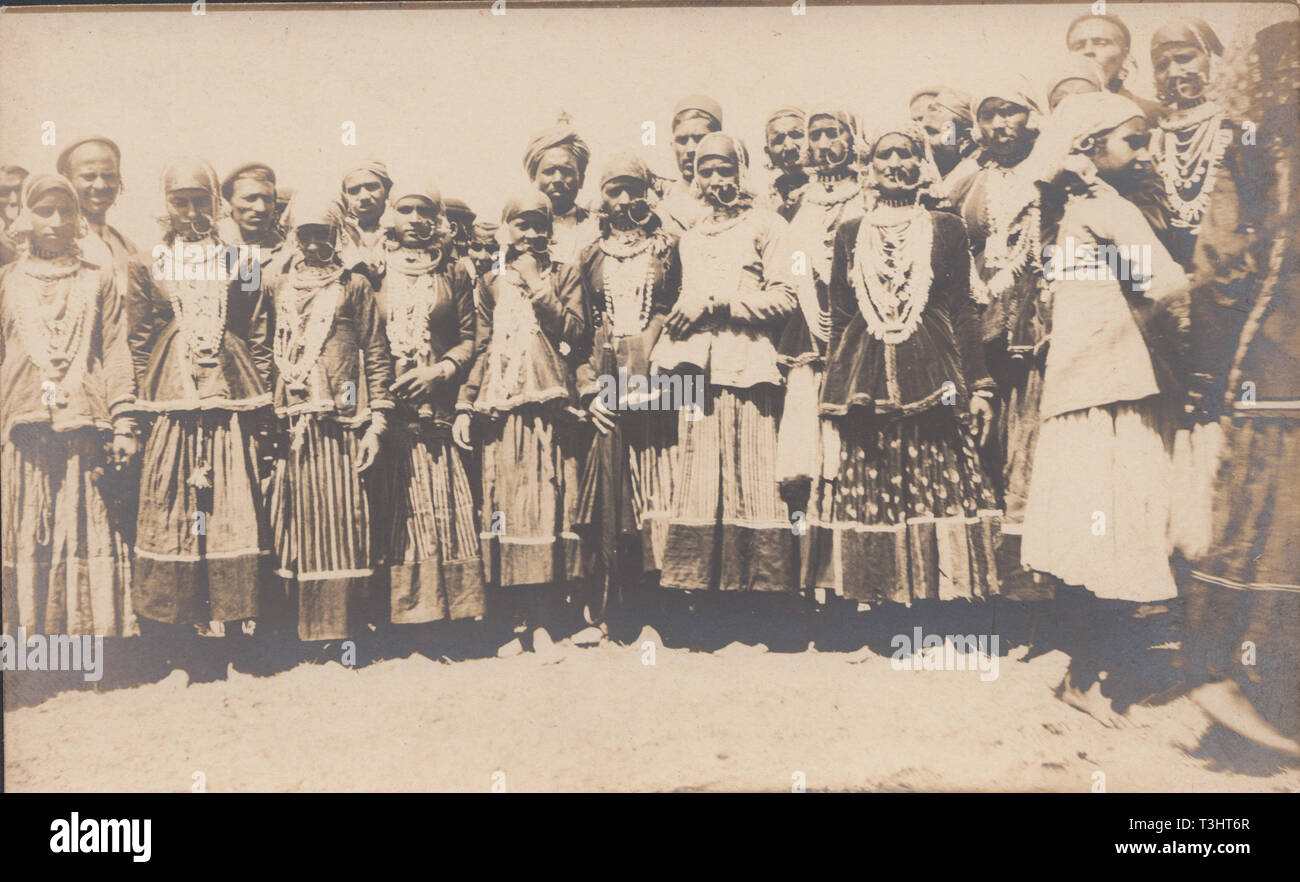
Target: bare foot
[1092,703]
[1224,703]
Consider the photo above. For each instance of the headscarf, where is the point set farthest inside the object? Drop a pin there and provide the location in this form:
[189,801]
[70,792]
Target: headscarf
[191,174]
[428,191]
[64,164]
[484,229]
[1187,30]
[700,104]
[314,205]
[720,144]
[921,93]
[561,135]
[1076,67]
[34,188]
[956,102]
[457,210]
[375,167]
[839,114]
[1070,130]
[788,110]
[525,201]
[911,130]
[1013,88]
[625,165]
[259,171]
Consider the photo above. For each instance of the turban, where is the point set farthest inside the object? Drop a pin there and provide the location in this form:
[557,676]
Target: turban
[258,171]
[625,165]
[526,201]
[64,165]
[1077,67]
[457,210]
[1075,122]
[1187,30]
[1126,37]
[700,104]
[957,103]
[428,191]
[1013,88]
[376,168]
[560,135]
[783,112]
[921,93]
[485,230]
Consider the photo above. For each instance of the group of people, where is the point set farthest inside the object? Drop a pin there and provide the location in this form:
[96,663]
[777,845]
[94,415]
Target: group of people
[1019,345]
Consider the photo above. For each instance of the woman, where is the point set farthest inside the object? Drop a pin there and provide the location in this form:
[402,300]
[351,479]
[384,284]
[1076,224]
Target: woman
[729,530]
[532,327]
[329,345]
[556,162]
[630,278]
[201,344]
[1078,75]
[1098,508]
[65,384]
[427,532]
[694,117]
[364,199]
[786,145]
[912,515]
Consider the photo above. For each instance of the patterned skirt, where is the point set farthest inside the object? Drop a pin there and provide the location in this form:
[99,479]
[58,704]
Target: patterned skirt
[428,537]
[530,497]
[201,532]
[320,516]
[911,515]
[729,530]
[1098,508]
[67,569]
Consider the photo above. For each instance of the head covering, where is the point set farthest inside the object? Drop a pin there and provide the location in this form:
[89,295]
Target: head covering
[910,129]
[921,93]
[64,164]
[561,135]
[375,167]
[315,205]
[625,165]
[484,229]
[524,201]
[839,114]
[1077,120]
[783,112]
[428,190]
[191,173]
[1077,67]
[1014,88]
[1187,30]
[956,102]
[257,170]
[34,188]
[457,210]
[700,103]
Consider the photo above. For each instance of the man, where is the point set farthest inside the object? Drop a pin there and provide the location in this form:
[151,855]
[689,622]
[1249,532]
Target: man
[11,188]
[947,123]
[556,162]
[365,198]
[694,117]
[1106,40]
[461,217]
[253,225]
[786,145]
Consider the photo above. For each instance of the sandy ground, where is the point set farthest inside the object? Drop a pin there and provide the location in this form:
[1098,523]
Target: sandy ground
[603,720]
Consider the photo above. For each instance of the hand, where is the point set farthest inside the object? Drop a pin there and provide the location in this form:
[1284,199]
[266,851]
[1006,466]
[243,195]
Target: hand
[601,416]
[683,318]
[123,449]
[368,451]
[418,382]
[982,411]
[460,431]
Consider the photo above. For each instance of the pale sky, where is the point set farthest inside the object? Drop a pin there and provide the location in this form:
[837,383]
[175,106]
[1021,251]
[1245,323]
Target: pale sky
[454,94]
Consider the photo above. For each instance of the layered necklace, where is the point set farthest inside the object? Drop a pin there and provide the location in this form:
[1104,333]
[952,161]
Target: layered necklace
[1190,154]
[412,297]
[200,305]
[826,205]
[1012,241]
[514,325]
[627,279]
[55,330]
[304,315]
[892,273]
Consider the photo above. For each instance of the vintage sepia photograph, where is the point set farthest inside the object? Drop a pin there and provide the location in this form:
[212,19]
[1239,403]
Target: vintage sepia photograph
[622,397]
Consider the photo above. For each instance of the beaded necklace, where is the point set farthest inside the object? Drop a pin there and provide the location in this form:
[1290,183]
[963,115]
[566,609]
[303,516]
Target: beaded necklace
[411,300]
[300,334]
[1189,162]
[199,305]
[627,280]
[55,331]
[893,272]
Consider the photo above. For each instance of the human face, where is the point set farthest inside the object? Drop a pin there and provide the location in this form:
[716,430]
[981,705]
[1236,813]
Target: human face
[252,207]
[1182,71]
[557,176]
[317,243]
[529,231]
[482,252]
[364,195]
[720,180]
[786,141]
[940,126]
[1122,154]
[93,170]
[687,135]
[920,106]
[190,210]
[829,141]
[11,188]
[54,222]
[416,218]
[1069,87]
[1101,41]
[896,164]
[624,202]
[1002,126]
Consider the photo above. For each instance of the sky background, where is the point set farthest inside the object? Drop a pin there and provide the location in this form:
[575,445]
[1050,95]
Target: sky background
[454,94]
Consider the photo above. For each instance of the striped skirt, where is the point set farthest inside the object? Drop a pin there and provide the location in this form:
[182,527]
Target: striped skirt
[201,531]
[428,538]
[911,516]
[320,518]
[67,569]
[530,497]
[729,529]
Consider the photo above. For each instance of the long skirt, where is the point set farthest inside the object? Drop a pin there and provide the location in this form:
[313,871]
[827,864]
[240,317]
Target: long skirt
[530,497]
[428,534]
[1098,508]
[728,529]
[320,515]
[1196,461]
[66,566]
[201,532]
[912,515]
